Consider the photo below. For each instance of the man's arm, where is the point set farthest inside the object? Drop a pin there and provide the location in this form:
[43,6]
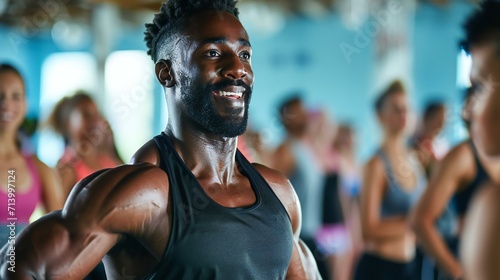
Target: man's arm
[68,244]
[50,249]
[302,264]
[449,175]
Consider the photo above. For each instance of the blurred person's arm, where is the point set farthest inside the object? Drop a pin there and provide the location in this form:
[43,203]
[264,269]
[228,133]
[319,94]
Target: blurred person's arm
[373,227]
[52,194]
[67,177]
[449,175]
[283,159]
[108,145]
[480,243]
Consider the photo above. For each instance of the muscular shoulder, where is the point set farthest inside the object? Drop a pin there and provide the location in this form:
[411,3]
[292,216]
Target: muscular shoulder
[278,182]
[283,190]
[147,153]
[119,199]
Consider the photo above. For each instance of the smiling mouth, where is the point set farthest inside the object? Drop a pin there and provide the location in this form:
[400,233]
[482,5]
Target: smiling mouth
[6,117]
[228,94]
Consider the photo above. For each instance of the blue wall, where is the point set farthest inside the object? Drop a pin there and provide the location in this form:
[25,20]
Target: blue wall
[304,56]
[437,34]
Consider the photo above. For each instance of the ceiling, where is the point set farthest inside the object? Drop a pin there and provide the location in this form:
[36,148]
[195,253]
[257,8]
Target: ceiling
[43,13]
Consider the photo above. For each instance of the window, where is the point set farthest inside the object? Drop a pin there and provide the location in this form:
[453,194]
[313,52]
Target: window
[62,75]
[129,81]
[464,65]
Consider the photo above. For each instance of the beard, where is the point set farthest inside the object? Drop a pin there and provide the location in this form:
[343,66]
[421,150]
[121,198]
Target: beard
[198,105]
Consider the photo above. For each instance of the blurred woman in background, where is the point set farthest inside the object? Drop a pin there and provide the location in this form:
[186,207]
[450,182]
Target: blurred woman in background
[26,181]
[88,138]
[393,180]
[349,181]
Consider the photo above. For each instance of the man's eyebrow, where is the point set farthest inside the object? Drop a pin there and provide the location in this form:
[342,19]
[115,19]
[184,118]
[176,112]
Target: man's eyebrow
[222,40]
[245,42]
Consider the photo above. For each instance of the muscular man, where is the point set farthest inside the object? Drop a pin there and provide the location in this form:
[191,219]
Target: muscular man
[481,237]
[190,206]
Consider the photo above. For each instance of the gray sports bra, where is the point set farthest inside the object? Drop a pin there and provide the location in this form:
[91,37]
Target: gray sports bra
[398,201]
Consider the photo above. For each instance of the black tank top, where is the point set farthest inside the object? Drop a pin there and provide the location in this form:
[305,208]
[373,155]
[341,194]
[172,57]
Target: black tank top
[462,199]
[210,241]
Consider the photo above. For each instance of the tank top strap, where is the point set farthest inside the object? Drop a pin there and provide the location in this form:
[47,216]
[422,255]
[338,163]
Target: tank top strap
[181,199]
[204,234]
[263,191]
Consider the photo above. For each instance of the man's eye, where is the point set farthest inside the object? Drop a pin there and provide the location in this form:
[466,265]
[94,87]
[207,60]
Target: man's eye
[213,54]
[245,55]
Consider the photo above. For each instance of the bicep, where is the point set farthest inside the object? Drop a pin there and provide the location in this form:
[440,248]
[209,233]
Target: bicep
[302,264]
[55,248]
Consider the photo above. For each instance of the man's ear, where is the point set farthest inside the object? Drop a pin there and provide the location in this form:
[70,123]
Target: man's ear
[164,73]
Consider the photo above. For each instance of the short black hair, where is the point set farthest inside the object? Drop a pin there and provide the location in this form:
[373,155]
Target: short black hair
[432,108]
[483,24]
[173,14]
[393,88]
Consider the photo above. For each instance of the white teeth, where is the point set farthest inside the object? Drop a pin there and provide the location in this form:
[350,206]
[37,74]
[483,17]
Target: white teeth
[229,93]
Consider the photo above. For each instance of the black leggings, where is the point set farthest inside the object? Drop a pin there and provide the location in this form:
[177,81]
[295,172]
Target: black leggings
[372,267]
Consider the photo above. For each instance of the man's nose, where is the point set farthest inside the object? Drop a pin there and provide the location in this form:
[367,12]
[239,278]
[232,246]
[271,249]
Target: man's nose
[233,67]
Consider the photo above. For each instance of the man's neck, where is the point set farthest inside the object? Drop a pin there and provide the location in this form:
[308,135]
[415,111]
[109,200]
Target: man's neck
[206,155]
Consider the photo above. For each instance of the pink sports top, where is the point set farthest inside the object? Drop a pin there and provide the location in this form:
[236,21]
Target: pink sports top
[26,201]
